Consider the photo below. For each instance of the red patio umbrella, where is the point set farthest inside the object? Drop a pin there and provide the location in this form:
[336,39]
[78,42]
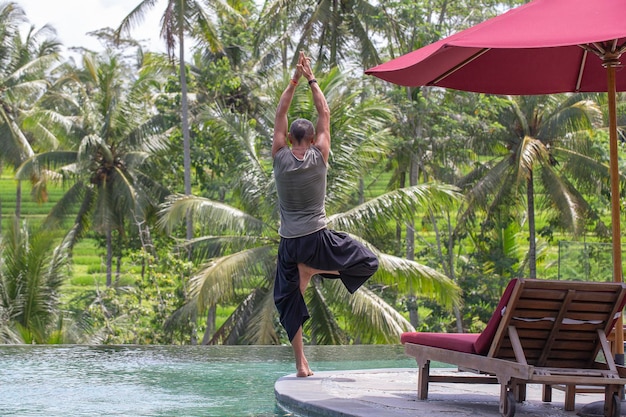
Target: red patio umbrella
[542,47]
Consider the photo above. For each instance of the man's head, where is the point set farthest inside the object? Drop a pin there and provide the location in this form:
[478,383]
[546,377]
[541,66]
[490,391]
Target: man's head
[301,131]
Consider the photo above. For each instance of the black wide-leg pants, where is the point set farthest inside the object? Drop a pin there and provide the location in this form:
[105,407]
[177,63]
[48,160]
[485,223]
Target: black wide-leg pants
[327,250]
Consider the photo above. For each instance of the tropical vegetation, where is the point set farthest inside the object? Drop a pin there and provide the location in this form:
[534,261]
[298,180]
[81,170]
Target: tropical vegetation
[152,212]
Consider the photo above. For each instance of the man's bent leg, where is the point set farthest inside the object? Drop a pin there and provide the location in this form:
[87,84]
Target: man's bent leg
[306,273]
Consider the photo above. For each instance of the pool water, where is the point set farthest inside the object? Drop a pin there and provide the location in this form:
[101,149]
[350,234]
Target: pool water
[176,381]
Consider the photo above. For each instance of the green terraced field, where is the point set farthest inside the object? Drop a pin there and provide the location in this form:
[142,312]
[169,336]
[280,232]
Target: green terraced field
[86,253]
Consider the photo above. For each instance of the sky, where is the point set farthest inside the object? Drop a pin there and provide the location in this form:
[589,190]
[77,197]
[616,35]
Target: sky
[73,19]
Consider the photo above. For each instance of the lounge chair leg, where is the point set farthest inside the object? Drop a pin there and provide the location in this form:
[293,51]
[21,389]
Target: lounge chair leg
[612,402]
[520,393]
[422,380]
[547,393]
[570,397]
[507,401]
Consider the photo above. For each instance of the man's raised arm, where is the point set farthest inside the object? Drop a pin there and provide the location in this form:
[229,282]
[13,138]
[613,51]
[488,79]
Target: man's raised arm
[322,129]
[281,122]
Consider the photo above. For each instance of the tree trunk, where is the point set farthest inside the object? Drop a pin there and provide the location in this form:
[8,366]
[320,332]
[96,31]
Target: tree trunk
[402,182]
[185,125]
[447,263]
[335,10]
[410,225]
[118,267]
[109,256]
[18,200]
[410,255]
[411,306]
[210,325]
[361,191]
[186,149]
[532,248]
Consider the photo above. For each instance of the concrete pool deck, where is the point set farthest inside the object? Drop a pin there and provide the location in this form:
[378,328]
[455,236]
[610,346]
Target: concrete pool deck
[393,393]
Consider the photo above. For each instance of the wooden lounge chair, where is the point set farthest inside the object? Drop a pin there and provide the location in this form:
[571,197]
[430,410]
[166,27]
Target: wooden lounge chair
[542,332]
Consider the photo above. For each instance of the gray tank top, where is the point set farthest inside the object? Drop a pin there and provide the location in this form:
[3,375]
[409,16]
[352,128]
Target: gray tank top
[301,187]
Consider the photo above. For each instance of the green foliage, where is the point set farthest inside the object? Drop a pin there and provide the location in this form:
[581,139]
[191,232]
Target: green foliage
[136,313]
[33,266]
[89,130]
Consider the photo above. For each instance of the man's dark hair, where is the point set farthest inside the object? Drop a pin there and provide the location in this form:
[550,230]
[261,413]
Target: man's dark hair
[301,130]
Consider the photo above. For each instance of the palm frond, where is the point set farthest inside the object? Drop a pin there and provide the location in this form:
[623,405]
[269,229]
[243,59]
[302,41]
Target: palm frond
[261,329]
[47,160]
[234,328]
[567,203]
[374,321]
[220,216]
[31,274]
[235,133]
[103,215]
[205,28]
[531,154]
[219,279]
[323,326]
[417,279]
[590,169]
[206,247]
[149,136]
[251,322]
[134,18]
[490,183]
[182,316]
[572,115]
[66,204]
[397,204]
[154,191]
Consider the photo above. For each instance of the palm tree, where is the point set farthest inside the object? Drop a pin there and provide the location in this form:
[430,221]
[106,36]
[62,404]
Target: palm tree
[117,133]
[24,63]
[540,143]
[32,270]
[181,18]
[331,29]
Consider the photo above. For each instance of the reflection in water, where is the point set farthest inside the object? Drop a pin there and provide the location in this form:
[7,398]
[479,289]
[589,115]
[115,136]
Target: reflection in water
[176,381]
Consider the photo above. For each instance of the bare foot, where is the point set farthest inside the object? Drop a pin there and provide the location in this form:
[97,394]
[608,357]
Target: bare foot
[303,369]
[304,372]
[302,365]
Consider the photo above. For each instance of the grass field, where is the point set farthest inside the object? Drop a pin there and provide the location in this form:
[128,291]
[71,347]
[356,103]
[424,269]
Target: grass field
[88,259]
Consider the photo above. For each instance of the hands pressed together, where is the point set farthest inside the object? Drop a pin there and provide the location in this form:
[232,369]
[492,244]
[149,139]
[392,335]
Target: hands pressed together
[303,68]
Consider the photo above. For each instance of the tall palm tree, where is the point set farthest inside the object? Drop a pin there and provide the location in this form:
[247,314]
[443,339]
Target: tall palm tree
[331,29]
[117,131]
[33,266]
[180,18]
[540,143]
[24,66]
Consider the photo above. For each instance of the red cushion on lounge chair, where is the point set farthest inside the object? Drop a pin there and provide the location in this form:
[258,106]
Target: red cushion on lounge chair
[482,344]
[465,342]
[460,342]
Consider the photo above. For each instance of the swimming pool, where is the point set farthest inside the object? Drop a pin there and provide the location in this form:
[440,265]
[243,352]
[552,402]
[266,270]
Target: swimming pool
[174,381]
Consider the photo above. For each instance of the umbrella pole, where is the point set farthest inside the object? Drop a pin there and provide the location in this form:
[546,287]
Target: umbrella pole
[615,205]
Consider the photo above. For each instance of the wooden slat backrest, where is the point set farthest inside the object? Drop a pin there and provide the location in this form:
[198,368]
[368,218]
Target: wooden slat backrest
[557,321]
